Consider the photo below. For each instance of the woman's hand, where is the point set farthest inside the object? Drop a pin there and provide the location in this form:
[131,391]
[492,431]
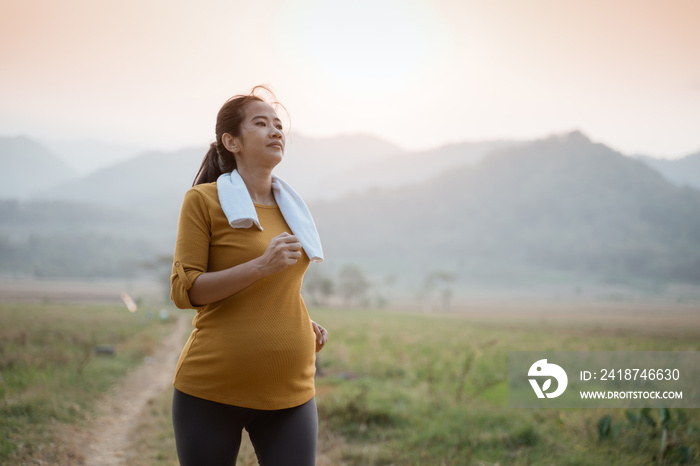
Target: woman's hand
[321,336]
[284,250]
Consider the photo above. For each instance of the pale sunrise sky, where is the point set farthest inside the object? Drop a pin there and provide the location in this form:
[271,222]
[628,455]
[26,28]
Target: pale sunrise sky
[418,73]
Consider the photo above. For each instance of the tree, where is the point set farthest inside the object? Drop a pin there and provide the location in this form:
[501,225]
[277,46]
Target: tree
[319,287]
[353,285]
[162,266]
[438,281]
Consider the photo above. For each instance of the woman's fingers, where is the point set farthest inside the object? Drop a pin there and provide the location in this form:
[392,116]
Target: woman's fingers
[284,250]
[290,244]
[321,336]
[286,238]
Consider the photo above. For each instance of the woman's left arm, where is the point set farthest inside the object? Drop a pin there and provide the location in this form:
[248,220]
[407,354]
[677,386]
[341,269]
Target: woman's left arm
[321,336]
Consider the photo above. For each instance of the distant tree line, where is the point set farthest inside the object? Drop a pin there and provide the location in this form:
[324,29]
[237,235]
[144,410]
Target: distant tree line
[86,255]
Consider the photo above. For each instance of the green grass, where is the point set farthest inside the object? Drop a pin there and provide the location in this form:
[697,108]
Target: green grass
[397,388]
[49,373]
[419,389]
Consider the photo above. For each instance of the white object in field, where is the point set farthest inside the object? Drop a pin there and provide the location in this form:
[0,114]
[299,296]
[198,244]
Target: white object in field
[130,304]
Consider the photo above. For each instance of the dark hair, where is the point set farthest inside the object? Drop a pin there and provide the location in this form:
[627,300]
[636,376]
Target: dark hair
[218,159]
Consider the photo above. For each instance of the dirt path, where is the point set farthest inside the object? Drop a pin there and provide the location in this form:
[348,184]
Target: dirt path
[108,439]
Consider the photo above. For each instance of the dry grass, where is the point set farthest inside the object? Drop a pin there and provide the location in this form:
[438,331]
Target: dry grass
[50,376]
[391,391]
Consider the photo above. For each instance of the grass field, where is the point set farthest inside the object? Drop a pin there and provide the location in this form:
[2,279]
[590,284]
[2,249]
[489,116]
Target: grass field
[50,375]
[431,389]
[395,387]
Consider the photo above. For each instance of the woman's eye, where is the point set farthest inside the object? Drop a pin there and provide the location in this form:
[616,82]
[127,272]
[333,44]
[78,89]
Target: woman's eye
[279,127]
[260,123]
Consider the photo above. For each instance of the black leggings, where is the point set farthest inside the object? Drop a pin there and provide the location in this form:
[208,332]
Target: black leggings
[209,433]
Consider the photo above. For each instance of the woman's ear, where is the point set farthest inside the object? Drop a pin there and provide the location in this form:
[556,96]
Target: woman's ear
[230,142]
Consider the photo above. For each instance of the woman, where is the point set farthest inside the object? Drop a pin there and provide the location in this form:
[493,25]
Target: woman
[244,242]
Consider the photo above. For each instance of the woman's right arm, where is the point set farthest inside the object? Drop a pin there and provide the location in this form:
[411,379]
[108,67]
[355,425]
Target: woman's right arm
[284,250]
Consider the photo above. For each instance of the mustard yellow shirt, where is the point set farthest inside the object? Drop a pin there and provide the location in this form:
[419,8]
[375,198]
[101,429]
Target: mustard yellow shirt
[256,348]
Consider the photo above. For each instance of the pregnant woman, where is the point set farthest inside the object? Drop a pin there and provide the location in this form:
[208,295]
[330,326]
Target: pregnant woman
[245,239]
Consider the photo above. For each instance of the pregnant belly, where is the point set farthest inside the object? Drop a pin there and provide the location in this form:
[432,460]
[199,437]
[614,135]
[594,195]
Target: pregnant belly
[258,362]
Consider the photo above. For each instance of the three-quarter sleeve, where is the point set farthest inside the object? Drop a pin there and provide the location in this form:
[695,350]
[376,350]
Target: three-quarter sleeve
[191,248]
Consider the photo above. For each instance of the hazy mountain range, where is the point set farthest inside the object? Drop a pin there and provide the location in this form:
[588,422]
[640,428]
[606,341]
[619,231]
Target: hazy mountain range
[559,204]
[317,168]
[29,167]
[683,172]
[559,208]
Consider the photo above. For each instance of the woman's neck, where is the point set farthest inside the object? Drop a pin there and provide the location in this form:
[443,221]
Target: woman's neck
[259,184]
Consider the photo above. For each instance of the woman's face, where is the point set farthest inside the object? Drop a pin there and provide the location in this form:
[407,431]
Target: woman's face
[262,141]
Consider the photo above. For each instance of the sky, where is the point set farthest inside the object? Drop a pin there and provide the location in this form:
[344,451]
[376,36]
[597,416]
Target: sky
[417,73]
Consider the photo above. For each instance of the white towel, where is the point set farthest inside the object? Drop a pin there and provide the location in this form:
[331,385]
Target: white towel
[240,211]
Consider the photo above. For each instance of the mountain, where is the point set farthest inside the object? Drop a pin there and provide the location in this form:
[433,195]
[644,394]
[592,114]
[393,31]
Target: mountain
[68,239]
[86,156]
[561,209]
[153,182]
[156,181]
[393,170]
[561,205]
[683,172]
[28,166]
[317,168]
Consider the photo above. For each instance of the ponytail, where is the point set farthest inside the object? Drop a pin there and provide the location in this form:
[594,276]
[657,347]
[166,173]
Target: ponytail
[213,165]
